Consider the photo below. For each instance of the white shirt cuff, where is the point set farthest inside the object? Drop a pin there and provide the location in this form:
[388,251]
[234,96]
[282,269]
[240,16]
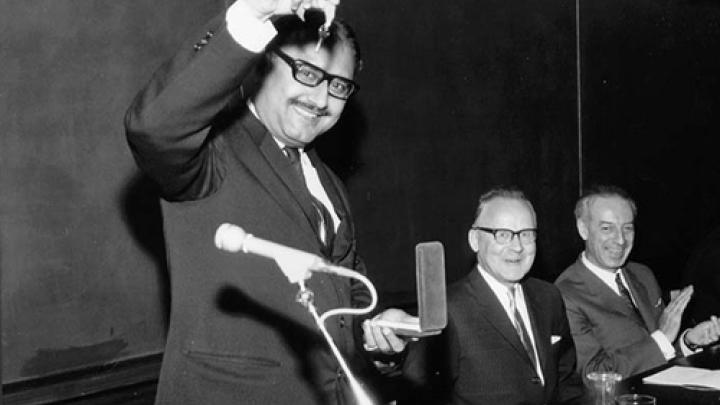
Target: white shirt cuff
[683,347]
[664,344]
[246,29]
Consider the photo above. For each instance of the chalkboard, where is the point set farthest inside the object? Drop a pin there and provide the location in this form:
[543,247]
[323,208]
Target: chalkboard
[81,252]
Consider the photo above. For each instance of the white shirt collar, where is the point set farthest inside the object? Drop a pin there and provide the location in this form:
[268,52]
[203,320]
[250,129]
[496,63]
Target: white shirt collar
[253,110]
[501,290]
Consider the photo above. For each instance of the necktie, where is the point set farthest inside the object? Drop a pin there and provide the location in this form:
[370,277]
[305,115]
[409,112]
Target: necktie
[323,222]
[625,294]
[520,328]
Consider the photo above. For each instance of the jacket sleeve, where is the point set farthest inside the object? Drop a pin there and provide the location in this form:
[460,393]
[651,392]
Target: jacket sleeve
[170,120]
[635,357]
[570,385]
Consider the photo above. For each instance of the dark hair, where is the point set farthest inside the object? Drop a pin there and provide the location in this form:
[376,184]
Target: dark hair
[292,31]
[510,193]
[602,190]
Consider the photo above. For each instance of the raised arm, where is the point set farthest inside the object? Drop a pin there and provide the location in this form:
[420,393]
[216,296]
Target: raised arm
[169,121]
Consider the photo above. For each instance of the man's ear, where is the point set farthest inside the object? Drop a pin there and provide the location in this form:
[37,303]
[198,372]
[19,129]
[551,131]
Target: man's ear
[472,239]
[582,228]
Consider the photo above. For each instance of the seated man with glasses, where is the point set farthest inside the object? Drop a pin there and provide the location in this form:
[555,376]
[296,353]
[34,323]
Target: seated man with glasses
[226,129]
[507,340]
[618,319]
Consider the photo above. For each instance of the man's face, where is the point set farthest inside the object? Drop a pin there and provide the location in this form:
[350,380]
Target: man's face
[608,231]
[507,263]
[294,113]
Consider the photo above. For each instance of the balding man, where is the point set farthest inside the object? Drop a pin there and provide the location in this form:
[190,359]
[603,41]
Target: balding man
[507,340]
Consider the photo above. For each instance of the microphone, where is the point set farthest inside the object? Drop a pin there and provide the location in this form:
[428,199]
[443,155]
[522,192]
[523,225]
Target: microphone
[295,264]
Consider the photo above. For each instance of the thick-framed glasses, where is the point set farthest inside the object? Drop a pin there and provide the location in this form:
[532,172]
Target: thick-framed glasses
[505,236]
[310,75]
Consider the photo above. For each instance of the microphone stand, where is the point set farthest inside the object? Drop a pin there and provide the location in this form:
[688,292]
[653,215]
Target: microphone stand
[306,298]
[297,266]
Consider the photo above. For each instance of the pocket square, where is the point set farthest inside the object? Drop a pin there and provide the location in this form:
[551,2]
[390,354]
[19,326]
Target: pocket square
[658,303]
[554,339]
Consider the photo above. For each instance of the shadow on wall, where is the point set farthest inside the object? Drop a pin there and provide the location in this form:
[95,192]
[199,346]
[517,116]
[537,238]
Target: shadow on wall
[141,212]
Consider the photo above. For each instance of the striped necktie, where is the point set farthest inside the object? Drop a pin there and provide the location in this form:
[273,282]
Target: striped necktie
[627,298]
[520,328]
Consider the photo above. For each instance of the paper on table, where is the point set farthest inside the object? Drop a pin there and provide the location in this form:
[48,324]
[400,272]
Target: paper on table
[686,376]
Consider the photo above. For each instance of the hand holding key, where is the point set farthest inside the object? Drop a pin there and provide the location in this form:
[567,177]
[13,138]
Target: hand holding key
[264,9]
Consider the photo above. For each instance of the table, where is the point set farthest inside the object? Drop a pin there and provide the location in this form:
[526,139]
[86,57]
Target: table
[671,395]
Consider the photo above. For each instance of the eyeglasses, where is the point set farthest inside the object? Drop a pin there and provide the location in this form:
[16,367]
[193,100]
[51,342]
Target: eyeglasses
[505,236]
[310,75]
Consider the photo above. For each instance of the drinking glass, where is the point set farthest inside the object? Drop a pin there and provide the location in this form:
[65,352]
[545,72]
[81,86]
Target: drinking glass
[603,386]
[636,399]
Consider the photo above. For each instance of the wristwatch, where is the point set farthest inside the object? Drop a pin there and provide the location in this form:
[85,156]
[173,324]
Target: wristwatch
[691,346]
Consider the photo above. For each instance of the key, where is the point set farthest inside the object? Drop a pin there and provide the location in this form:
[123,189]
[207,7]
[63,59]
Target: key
[324,30]
[323,33]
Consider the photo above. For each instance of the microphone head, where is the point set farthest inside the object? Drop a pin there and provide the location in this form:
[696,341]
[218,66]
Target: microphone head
[230,238]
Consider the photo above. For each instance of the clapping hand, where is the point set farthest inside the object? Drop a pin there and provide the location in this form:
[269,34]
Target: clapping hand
[704,333]
[672,315]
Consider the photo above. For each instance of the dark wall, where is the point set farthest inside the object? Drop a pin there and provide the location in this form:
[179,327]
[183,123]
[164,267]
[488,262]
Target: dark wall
[651,95]
[455,98]
[83,279]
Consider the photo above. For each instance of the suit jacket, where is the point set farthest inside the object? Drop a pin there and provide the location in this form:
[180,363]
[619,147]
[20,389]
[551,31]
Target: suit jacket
[482,358]
[608,336]
[236,332]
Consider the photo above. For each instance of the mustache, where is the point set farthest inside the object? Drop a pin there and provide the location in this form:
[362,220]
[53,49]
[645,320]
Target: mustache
[319,111]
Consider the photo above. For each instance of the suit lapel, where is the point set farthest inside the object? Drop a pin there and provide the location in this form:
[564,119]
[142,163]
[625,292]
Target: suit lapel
[491,308]
[540,326]
[602,294]
[641,299]
[342,242]
[330,187]
[259,153]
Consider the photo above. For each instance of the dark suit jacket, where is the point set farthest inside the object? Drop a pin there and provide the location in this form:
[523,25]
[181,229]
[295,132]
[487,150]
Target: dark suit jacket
[237,334]
[607,335]
[482,360]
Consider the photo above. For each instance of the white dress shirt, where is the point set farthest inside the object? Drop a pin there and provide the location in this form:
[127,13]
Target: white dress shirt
[608,277]
[246,29]
[254,34]
[502,293]
[312,181]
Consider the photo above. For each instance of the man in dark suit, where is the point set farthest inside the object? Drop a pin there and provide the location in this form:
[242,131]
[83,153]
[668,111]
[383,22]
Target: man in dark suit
[507,340]
[615,308]
[237,333]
